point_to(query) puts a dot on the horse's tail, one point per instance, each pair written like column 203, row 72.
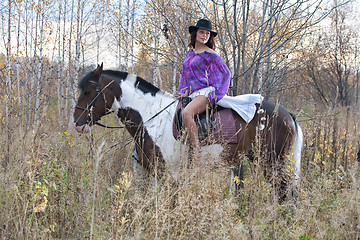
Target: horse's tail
column 297, row 148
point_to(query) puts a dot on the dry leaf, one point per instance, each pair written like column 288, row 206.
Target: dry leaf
column 42, row 206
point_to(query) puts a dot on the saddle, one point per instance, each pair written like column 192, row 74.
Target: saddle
column 216, row 125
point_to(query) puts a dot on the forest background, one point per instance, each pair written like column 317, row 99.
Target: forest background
column 59, row 184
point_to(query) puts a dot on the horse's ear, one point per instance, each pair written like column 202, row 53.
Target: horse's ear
column 98, row 72
column 100, row 66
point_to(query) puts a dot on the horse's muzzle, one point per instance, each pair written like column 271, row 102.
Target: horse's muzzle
column 83, row 128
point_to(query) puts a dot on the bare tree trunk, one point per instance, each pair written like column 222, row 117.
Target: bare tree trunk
column 174, row 81
column 127, row 35
column 8, row 121
column 79, row 22
column 132, row 36
column 245, row 15
column 19, row 109
column 28, row 73
column 156, row 60
column 62, row 71
column 70, row 62
column 357, row 87
column 259, row 77
column 26, row 29
column 99, row 23
column 60, row 74
column 119, row 27
column 32, row 77
column 268, row 48
column 235, row 53
column 39, row 68
column 241, row 57
column 98, row 38
column 258, row 70
column 8, row 65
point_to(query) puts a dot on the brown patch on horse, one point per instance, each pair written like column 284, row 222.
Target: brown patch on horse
column 149, row 154
column 278, row 136
column 271, row 144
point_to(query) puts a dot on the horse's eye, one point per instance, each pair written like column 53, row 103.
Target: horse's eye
column 87, row 93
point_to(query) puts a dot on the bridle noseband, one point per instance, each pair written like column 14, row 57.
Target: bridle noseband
column 92, row 104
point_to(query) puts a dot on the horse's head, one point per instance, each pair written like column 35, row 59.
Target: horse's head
column 92, row 103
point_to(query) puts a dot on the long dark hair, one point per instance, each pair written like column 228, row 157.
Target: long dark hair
column 210, row 43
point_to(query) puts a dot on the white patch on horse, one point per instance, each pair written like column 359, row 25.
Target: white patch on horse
column 115, row 106
column 160, row 127
column 297, row 148
column 211, row 153
column 147, row 105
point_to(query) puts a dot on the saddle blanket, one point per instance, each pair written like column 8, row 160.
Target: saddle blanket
column 225, row 129
column 244, row 105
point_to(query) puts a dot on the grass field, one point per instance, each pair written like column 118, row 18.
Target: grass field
column 63, row 185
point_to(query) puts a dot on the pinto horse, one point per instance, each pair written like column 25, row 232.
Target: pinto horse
column 147, row 113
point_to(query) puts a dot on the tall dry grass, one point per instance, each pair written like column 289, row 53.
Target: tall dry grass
column 60, row 184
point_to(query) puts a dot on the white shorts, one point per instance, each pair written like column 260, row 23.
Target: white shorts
column 202, row 92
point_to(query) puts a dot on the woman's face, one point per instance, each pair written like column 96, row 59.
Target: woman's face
column 202, row 36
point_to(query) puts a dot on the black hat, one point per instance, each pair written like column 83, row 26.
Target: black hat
column 203, row 24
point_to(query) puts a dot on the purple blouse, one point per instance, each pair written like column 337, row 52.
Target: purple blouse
column 201, row 70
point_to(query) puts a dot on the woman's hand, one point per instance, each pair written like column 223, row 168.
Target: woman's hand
column 182, row 95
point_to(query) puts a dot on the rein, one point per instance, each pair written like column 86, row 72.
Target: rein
column 90, row 107
column 158, row 113
column 100, row 91
column 104, row 126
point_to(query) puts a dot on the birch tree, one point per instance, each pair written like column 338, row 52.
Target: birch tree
column 100, row 26
column 8, row 66
column 41, row 14
column 17, row 65
column 75, row 79
column 118, row 20
column 33, row 47
column 60, row 55
column 156, row 46
column 28, row 75
column 127, row 35
column 8, row 91
column 132, row 31
column 69, row 36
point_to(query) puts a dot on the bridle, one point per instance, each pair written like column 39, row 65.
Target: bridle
column 92, row 104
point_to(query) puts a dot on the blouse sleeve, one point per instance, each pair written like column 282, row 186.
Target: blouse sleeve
column 219, row 77
column 182, row 85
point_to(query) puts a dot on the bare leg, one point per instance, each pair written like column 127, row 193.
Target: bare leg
column 196, row 106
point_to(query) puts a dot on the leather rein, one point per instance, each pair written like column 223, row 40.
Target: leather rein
column 99, row 91
column 92, row 104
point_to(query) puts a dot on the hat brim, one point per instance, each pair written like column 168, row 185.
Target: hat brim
column 195, row 28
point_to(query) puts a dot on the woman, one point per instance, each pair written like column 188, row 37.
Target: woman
column 205, row 77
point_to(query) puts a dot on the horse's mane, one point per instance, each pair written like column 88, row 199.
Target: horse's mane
column 139, row 83
column 85, row 80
